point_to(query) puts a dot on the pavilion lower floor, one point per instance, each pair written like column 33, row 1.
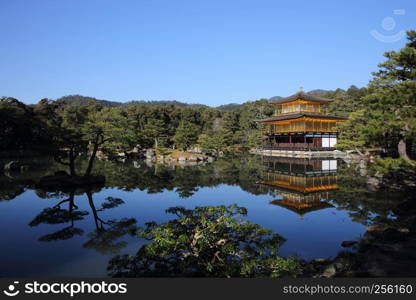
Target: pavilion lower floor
column 300, row 141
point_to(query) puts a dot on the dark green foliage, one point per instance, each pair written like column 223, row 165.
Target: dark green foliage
column 229, row 107
column 346, row 101
column 390, row 165
column 397, row 173
column 210, row 142
column 353, row 131
column 386, row 117
column 21, row 130
column 82, row 100
column 74, row 125
column 207, row 241
column 186, row 135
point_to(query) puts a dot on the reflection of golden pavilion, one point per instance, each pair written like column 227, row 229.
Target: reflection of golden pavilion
column 304, row 184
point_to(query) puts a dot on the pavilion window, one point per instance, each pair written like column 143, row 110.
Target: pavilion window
column 303, row 107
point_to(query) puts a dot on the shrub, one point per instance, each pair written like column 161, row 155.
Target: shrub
column 210, row 241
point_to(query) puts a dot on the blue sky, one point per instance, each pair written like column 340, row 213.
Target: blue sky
column 210, row 52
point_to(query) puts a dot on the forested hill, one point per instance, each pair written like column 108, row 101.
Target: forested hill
column 229, row 107
column 82, row 100
column 317, row 92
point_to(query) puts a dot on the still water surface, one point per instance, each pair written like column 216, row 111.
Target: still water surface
column 313, row 204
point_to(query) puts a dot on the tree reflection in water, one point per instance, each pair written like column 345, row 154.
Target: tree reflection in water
column 352, row 194
column 105, row 237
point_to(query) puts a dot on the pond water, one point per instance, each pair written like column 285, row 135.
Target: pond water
column 313, row 204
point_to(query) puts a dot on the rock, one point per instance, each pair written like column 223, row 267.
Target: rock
column 320, row 260
column 376, row 228
column 210, row 159
column 101, row 155
column 192, row 158
column 12, row 166
column 150, row 154
column 379, row 175
column 136, row 149
column 373, row 183
column 148, row 163
column 181, row 158
column 329, row 271
column 347, row 244
column 195, row 150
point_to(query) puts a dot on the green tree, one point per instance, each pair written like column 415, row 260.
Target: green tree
column 106, row 128
column 20, row 128
column 186, row 135
column 155, row 130
column 250, row 130
column 388, row 118
column 208, row 142
column 68, row 137
column 353, row 132
column 211, row 241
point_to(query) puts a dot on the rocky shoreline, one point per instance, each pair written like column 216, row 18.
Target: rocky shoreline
column 175, row 156
column 383, row 251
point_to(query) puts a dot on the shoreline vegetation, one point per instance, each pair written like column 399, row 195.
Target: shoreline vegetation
column 381, row 116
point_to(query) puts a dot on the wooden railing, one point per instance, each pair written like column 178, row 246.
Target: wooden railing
column 295, row 148
column 271, row 131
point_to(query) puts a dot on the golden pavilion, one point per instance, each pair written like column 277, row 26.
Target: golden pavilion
column 300, row 123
